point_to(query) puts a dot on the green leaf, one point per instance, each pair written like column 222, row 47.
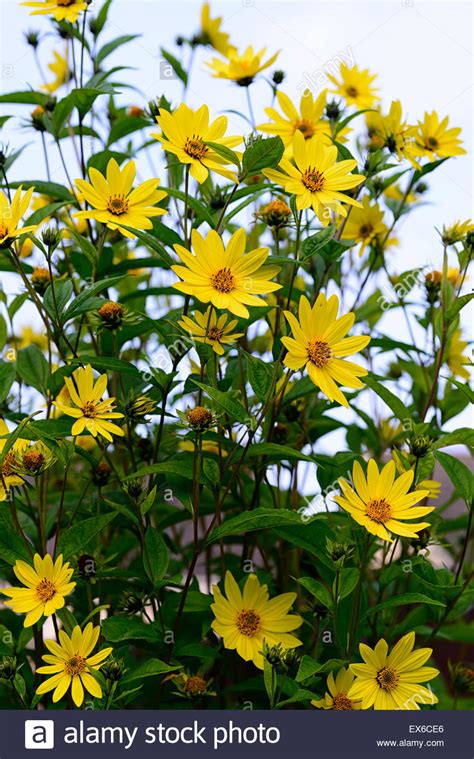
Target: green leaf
column 85, row 245
column 393, row 402
column 155, row 556
column 259, row 519
column 317, row 590
column 226, row 402
column 309, row 667
column 81, row 303
column 225, row 152
column 58, row 299
column 7, row 378
column 456, row 307
column 427, row 169
column 459, row 474
column 42, row 213
column 33, row 367
column 279, row 452
column 117, row 629
column 404, row 599
column 51, row 189
column 148, row 668
column 311, row 245
column 126, row 126
column 260, row 375
column 77, row 537
column 175, row 65
column 347, row 582
column 263, row 153
column 152, row 243
column 104, row 363
column 12, row 546
column 29, row 97
column 181, row 467
column 109, row 48
column 462, row 436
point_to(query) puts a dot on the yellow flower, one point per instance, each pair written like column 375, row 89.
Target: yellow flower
column 394, row 192
column 113, row 201
column 46, row 583
column 70, row 664
column 402, row 464
column 392, row 681
column 394, row 133
column 317, row 178
column 59, row 67
column 319, row 344
column 308, row 120
column 245, row 620
column 10, row 216
column 456, row 231
column 91, row 413
column 9, row 477
column 355, row 86
column 186, row 134
column 62, row 10
column 432, row 486
column 364, row 224
column 210, row 329
column 337, row 697
column 30, row 337
column 207, row 446
column 241, row 68
column 434, row 140
column 25, row 247
column 225, row 276
column 455, row 358
column 381, row 502
column 211, row 33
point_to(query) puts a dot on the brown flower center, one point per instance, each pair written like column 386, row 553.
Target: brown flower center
column 215, row 334
column 387, row 678
column 65, row 2
column 195, row 147
column 378, row 510
column 306, row 127
column 352, row 91
column 248, row 622
column 45, row 590
column 319, row 352
column 312, row 179
column 195, row 685
column 342, row 703
column 8, row 466
column 199, row 416
column 432, row 143
column 223, row 280
column 366, row 230
column 89, row 409
column 75, row 665
column 33, row 461
column 117, row 205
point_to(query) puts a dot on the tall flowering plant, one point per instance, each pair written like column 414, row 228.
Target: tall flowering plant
column 195, row 501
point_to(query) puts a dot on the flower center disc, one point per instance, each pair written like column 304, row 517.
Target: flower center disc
column 306, row 127
column 387, row 678
column 378, row 510
column 313, row 180
column 432, row 143
column 223, row 280
column 341, row 702
column 214, row 333
column 366, row 230
column 89, row 409
column 319, row 352
column 45, row 590
column 64, row 2
column 8, row 466
column 352, row 92
column 75, row 665
column 248, row 622
column 117, row 205
column 195, row 147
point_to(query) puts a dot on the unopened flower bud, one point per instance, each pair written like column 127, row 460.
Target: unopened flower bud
column 199, row 418
column 101, row 474
column 40, row 279
column 111, row 314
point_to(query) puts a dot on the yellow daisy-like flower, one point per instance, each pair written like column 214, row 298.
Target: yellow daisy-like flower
column 355, row 86
column 319, row 345
column 10, row 216
column 381, row 502
column 113, row 201
column 456, row 359
column 308, row 120
column 457, row 231
column 211, row 329
column 317, row 178
column 392, row 680
column 46, row 583
column 62, row 10
column 227, row 277
column 211, row 33
column 241, row 68
column 60, row 68
column 364, row 224
column 186, row 134
column 394, row 133
column 336, row 695
column 434, row 140
column 29, row 336
column 91, row 413
column 70, row 664
column 395, row 192
column 244, row 620
column 9, row 477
